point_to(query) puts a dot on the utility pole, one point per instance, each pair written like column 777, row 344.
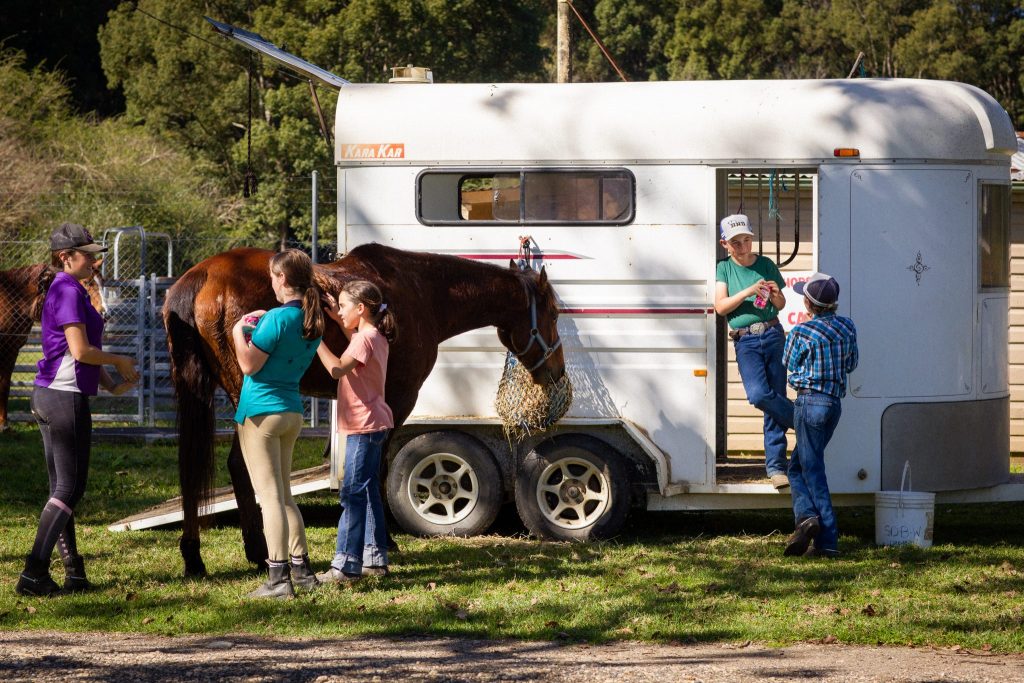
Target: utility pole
column 564, row 64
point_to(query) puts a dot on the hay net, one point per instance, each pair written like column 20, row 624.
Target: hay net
column 525, row 407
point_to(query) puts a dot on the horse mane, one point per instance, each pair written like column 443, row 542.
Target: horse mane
column 375, row 254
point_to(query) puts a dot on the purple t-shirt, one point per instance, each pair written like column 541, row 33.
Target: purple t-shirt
column 68, row 303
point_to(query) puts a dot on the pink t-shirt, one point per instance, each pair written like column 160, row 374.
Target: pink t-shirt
column 361, row 406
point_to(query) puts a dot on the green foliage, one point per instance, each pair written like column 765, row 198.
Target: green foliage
column 58, row 166
column 981, row 43
column 195, row 89
column 635, row 34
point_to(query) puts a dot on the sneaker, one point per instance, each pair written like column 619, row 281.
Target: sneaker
column 806, row 530
column 780, row 482
column 820, row 552
column 336, row 576
column 375, row 571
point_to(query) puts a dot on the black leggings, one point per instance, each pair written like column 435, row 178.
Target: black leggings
column 66, row 426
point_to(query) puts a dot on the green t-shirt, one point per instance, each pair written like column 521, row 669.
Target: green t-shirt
column 275, row 388
column 738, row 278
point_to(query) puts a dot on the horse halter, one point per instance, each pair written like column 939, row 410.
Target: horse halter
column 535, row 336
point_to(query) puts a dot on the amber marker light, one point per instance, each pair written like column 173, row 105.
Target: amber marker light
column 845, row 152
column 700, row 373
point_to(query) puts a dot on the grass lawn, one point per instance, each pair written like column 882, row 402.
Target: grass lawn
column 685, row 577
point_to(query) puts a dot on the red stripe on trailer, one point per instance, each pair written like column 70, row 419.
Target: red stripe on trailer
column 638, row 311
column 503, row 257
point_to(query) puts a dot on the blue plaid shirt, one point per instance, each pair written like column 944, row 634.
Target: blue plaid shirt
column 820, row 353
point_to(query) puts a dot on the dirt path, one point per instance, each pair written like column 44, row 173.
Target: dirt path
column 47, row 656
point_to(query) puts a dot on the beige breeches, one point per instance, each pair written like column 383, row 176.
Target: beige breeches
column 267, row 443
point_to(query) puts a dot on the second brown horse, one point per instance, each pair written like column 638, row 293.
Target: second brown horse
column 434, row 297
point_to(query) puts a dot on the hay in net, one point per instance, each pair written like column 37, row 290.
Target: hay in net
column 525, row 407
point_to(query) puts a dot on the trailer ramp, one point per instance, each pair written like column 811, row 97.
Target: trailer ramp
column 302, row 481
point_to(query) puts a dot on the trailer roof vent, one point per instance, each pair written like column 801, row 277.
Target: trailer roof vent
column 411, row 74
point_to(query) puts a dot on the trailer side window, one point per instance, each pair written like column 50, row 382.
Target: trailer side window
column 526, row 197
column 994, row 236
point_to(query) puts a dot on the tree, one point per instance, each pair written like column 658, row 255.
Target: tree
column 57, row 166
column 723, row 39
column 635, row 33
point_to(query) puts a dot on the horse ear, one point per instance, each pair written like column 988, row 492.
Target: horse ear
column 543, row 279
column 512, row 264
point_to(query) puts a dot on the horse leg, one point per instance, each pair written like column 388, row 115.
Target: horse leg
column 189, row 542
column 249, row 516
column 9, row 347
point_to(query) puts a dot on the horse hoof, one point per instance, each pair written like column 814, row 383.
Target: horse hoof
column 194, row 567
column 196, row 572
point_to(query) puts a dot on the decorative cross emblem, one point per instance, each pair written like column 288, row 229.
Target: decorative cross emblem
column 918, row 267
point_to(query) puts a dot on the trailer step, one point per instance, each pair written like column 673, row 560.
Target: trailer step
column 169, row 512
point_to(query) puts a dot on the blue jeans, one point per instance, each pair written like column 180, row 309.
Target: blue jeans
column 759, row 357
column 816, row 418
column 362, row 537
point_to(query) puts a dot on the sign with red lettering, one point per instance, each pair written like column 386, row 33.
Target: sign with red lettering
column 794, row 313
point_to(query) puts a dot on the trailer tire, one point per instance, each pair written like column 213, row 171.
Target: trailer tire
column 573, row 488
column 444, row 484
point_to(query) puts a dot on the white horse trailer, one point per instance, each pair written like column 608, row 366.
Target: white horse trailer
column 620, row 187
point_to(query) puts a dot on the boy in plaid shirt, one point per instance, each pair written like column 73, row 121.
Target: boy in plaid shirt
column 819, row 355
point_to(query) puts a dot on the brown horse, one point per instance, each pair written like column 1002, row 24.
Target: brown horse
column 19, row 289
column 434, row 297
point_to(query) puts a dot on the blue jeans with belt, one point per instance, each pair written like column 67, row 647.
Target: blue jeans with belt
column 759, row 357
column 816, row 417
column 362, row 537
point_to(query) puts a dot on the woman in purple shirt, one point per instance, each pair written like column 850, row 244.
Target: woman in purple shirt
column 70, row 371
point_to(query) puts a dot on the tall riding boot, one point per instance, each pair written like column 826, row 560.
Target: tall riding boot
column 35, row 579
column 74, row 575
column 278, row 585
column 303, row 576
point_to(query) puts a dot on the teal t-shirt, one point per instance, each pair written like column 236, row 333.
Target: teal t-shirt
column 275, row 388
column 738, row 278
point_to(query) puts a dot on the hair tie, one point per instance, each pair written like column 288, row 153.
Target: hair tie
column 383, row 307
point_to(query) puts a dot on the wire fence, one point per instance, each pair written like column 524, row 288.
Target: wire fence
column 129, row 290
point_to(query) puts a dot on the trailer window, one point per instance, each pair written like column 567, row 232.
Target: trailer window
column 526, row 197
column 994, row 236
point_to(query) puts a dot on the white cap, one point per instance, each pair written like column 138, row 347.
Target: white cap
column 736, row 224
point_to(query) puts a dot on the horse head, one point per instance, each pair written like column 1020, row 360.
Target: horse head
column 533, row 336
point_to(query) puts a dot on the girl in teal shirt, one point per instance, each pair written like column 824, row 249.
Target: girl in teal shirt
column 269, row 416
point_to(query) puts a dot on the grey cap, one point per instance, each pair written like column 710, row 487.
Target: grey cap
column 73, row 236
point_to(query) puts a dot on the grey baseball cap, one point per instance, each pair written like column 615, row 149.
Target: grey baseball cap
column 73, row 236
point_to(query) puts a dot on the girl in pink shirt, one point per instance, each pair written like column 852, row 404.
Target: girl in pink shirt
column 364, row 419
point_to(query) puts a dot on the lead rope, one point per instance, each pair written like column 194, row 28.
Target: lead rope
column 524, row 257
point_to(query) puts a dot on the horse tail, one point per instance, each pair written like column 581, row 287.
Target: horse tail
column 194, row 388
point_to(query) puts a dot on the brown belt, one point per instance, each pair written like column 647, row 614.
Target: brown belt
column 756, row 328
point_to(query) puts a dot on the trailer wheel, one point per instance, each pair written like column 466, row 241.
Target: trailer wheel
column 444, row 484
column 573, row 488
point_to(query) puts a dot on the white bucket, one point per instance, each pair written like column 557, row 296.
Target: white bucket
column 904, row 516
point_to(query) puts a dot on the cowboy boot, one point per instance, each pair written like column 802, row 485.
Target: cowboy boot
column 278, row 584
column 303, row 576
column 75, row 580
column 35, row 579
